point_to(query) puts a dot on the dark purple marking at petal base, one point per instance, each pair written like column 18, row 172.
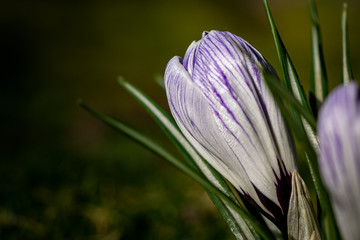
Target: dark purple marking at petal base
column 283, row 190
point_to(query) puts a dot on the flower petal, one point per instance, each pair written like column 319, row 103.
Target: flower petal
column 339, row 158
column 196, row 120
column 228, row 72
column 189, row 57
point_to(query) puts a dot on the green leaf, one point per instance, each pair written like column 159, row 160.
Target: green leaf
column 290, row 75
column 302, row 129
column 318, row 78
column 240, row 228
column 292, row 83
column 194, row 159
column 347, row 75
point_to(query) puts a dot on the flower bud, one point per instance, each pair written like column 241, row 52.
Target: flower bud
column 339, row 157
column 219, row 99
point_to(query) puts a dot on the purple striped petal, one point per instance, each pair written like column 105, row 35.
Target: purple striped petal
column 219, row 99
column 339, row 158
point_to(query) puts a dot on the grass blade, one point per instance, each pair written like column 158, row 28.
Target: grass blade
column 318, row 77
column 303, row 130
column 347, row 75
column 291, row 78
column 234, row 220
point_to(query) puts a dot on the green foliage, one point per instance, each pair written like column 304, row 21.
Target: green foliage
column 318, row 78
column 347, row 74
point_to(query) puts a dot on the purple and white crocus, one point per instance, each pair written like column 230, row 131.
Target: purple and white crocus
column 339, row 157
column 219, row 99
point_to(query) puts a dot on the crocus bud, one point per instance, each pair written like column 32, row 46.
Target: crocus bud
column 339, row 157
column 302, row 223
column 218, row 97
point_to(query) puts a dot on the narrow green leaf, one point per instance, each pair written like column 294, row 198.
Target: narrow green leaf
column 157, row 149
column 304, row 133
column 194, row 159
column 347, row 75
column 318, row 77
column 291, row 80
column 290, row 75
column 235, row 221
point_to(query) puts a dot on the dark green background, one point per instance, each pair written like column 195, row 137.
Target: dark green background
column 64, row 174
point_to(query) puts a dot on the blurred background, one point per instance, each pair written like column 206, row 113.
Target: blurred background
column 66, row 175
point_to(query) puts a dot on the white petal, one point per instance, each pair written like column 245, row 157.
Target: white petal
column 227, row 73
column 197, row 121
column 339, row 159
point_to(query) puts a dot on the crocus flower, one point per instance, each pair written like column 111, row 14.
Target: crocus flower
column 339, row 157
column 218, row 97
